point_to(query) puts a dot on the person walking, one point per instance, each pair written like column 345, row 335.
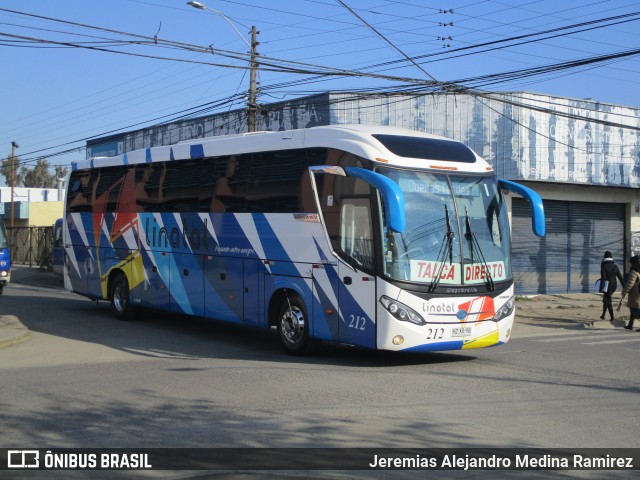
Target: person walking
column 631, row 288
column 609, row 273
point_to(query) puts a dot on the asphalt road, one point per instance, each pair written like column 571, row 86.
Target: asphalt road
column 86, row 379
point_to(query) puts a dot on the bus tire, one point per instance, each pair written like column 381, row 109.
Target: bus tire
column 120, row 300
column 293, row 326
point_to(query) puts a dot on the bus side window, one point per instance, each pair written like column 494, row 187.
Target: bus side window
column 224, row 196
column 79, row 192
column 346, row 209
column 355, row 232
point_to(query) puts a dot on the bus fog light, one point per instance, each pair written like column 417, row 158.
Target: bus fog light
column 3, row 273
column 401, row 311
column 398, row 340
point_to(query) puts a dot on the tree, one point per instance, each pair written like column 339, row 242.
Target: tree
column 61, row 172
column 39, row 176
column 5, row 170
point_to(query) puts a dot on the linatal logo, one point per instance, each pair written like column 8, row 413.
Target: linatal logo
column 478, row 309
column 23, row 459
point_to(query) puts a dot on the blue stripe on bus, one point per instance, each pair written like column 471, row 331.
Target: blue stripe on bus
column 323, row 257
column 273, row 248
column 432, row 347
column 148, row 155
column 196, row 151
column 324, row 328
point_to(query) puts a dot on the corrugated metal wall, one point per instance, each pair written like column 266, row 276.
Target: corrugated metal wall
column 524, row 136
column 567, row 259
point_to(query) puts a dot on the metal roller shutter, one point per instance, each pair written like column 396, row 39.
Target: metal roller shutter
column 567, row 259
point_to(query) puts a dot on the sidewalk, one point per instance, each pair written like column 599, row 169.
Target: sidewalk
column 580, row 310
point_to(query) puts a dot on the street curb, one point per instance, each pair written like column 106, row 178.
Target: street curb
column 12, row 331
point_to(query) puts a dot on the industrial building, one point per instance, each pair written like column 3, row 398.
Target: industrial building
column 580, row 155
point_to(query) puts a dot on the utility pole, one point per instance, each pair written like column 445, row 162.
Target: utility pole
column 14, row 145
column 252, row 105
column 252, row 101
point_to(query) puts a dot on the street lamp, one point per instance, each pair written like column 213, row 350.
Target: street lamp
column 202, row 6
column 252, row 105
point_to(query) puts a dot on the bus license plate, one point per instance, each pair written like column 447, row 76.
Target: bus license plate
column 461, row 331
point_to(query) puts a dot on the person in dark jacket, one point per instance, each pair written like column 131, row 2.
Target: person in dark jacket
column 631, row 287
column 609, row 272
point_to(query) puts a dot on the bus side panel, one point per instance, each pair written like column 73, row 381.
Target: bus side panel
column 187, row 284
column 77, row 253
column 223, row 288
column 253, row 294
column 325, row 307
column 153, row 290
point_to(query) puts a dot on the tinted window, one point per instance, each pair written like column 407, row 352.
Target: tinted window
column 79, row 191
column 265, row 182
column 427, row 148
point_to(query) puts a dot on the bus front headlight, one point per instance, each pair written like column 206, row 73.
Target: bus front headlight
column 505, row 310
column 401, row 311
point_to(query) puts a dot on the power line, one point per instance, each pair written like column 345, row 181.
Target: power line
column 372, row 28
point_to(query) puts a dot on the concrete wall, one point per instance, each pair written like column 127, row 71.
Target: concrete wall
column 22, row 194
column 45, row 214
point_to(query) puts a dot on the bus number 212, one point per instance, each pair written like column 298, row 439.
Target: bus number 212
column 357, row 322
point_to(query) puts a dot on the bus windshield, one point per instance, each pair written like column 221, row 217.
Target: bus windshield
column 457, row 230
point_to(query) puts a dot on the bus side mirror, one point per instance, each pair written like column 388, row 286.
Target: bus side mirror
column 537, row 208
column 393, row 197
column 394, row 210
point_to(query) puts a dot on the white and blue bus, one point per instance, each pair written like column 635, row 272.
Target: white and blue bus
column 377, row 237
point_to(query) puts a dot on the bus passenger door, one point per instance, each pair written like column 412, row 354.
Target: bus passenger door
column 357, row 284
column 345, row 204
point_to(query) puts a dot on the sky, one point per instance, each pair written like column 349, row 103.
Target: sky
column 79, row 69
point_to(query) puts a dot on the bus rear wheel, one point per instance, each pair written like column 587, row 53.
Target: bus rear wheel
column 293, row 326
column 120, row 301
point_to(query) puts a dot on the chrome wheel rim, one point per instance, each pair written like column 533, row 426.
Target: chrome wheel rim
column 292, row 325
column 119, row 302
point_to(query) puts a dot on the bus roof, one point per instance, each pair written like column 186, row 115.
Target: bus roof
column 378, row 143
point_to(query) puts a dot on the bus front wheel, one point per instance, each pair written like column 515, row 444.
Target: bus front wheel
column 293, row 326
column 120, row 301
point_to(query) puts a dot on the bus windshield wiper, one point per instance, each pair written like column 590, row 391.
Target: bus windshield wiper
column 447, row 247
column 470, row 236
